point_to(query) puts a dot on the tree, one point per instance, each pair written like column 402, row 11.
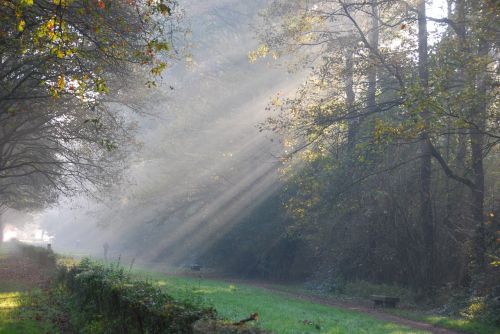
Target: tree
column 426, row 162
column 409, row 101
column 64, row 68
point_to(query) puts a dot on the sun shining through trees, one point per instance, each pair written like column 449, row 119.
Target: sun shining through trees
column 249, row 166
column 204, row 166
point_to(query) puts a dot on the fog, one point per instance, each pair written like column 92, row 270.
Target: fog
column 202, row 163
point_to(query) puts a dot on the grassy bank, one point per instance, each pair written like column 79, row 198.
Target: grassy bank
column 90, row 297
column 277, row 313
column 26, row 309
column 285, row 315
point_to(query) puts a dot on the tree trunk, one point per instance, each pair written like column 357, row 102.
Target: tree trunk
column 350, row 98
column 459, row 198
column 426, row 213
column 372, row 71
column 477, row 144
column 372, row 106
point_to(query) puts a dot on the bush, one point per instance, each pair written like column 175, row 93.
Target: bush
column 42, row 256
column 106, row 300
column 485, row 309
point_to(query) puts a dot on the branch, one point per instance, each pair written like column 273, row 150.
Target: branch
column 446, row 168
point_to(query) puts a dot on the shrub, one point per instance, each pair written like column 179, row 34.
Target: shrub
column 107, row 300
column 42, row 256
column 485, row 309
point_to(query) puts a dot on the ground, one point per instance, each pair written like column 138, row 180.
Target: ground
column 21, row 279
column 283, row 310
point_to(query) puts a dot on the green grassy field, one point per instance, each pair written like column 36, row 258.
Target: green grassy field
column 18, row 318
column 277, row 313
column 361, row 291
column 285, row 315
column 23, row 310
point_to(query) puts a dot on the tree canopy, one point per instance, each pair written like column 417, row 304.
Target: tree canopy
column 64, row 68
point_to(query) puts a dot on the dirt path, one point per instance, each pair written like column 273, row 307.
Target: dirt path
column 22, row 272
column 356, row 307
column 376, row 313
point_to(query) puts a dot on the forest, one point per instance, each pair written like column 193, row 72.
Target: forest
column 267, row 166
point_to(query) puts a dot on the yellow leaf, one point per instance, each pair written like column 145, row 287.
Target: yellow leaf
column 62, row 3
column 21, row 25
column 61, row 81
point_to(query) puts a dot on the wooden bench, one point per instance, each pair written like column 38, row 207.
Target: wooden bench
column 384, row 301
column 196, row 267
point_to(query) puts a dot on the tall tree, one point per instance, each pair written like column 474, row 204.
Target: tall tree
column 426, row 162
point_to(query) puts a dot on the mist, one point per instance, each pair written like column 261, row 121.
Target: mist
column 202, row 163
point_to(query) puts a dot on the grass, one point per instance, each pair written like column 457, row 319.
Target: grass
column 361, row 291
column 277, row 313
column 464, row 325
column 16, row 317
column 20, row 311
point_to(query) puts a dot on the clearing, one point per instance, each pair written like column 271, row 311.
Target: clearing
column 289, row 312
column 281, row 309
